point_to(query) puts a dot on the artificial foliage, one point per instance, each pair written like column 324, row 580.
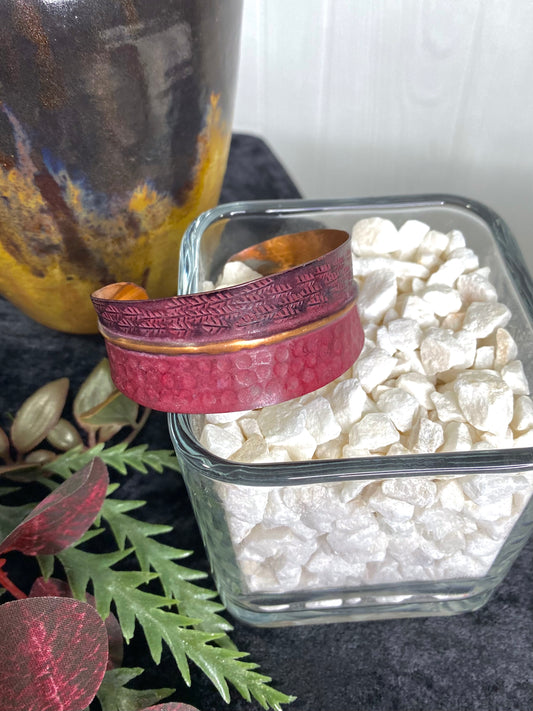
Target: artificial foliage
column 138, row 585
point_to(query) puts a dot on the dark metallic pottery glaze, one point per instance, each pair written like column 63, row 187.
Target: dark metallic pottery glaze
column 115, row 120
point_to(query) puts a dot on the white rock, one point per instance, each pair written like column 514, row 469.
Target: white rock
column 377, row 295
column 415, row 308
column 374, row 236
column 246, row 503
column 410, row 237
column 419, row 491
column 285, row 425
column 249, row 426
column 483, row 318
column 331, row 449
column 263, row 580
column 263, row 543
column 397, row 449
column 350, row 490
column 221, row 442
column 287, row 573
column 221, row 418
column 404, row 334
column 438, row 523
column 524, row 440
column 362, row 266
column 281, row 422
column 460, row 566
column 452, row 542
column 238, row 528
column 383, row 340
column 407, row 363
column 485, row 400
column 236, row 273
column 479, row 544
column 523, row 414
column 491, row 512
column 277, row 513
column 303, row 499
column 360, row 546
column 457, row 437
column 475, row 287
column 254, row 450
column 497, row 529
column 392, row 509
column 450, row 495
column 448, row 272
column 387, row 571
column 505, row 348
column 513, row 374
column 426, row 436
column 374, row 431
column 443, row 299
column 279, row 454
column 419, row 386
column 453, row 321
column 373, row 368
column 442, row 349
column 333, row 569
column 400, row 406
column 350, row 451
column 434, row 242
column 347, row 401
column 488, row 488
column 320, row 420
column 456, row 240
column 503, row 440
column 447, row 406
column 484, row 358
column 427, row 259
column 390, row 315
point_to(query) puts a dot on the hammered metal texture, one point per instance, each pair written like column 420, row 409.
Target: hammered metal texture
column 240, row 380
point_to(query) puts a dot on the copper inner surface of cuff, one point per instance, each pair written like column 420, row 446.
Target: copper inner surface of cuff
column 286, row 251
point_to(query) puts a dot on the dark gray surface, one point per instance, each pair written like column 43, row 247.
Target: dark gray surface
column 480, row 661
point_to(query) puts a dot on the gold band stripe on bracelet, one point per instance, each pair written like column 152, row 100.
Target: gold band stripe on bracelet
column 222, row 346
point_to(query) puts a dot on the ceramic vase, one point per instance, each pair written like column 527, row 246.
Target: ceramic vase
column 115, row 123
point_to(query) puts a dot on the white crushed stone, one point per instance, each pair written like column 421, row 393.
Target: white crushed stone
column 439, row 372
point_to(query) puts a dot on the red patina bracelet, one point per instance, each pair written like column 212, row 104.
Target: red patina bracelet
column 272, row 339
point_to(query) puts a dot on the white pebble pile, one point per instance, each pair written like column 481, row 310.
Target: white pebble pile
column 438, row 373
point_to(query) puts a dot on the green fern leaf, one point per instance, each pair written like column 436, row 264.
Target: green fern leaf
column 73, row 460
column 122, row 588
column 121, row 457
column 193, row 600
column 114, row 696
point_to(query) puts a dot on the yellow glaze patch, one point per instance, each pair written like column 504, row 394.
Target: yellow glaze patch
column 139, row 242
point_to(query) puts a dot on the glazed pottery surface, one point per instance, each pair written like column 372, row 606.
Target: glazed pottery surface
column 115, row 122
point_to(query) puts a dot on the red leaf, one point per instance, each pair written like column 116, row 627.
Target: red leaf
column 171, row 707
column 53, row 654
column 59, row 588
column 63, row 516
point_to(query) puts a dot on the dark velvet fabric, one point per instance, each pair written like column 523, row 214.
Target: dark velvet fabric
column 480, row 661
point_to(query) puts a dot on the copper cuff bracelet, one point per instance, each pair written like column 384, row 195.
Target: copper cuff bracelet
column 238, row 348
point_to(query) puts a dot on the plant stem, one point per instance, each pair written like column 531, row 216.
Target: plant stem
column 8, row 585
column 138, row 426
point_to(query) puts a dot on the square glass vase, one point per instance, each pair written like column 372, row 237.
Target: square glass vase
column 259, row 570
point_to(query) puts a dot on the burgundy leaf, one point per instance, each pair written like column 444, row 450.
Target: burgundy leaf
column 171, row 707
column 59, row 588
column 63, row 516
column 53, row 654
